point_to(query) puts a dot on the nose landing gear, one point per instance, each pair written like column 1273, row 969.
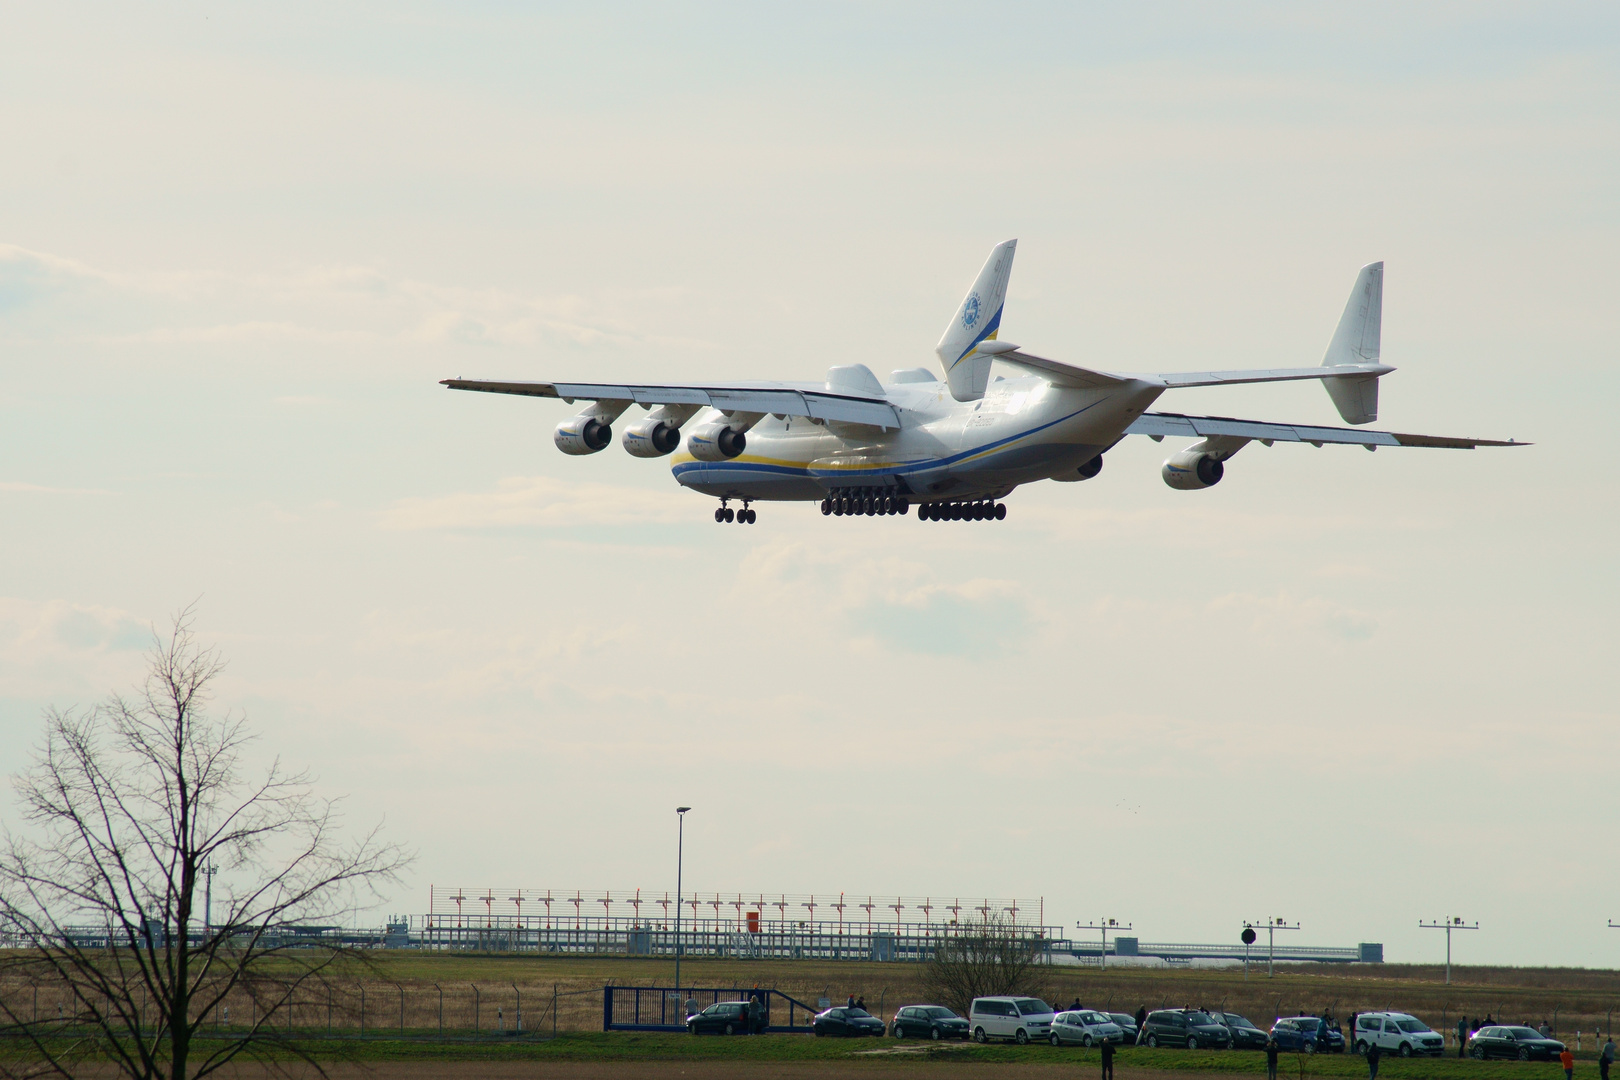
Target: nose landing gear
column 745, row 516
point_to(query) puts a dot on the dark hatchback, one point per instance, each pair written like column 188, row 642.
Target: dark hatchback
column 928, row 1022
column 1185, row 1027
column 1245, row 1036
column 1308, row 1034
column 1525, row 1044
column 721, row 1018
column 846, row 1021
column 1127, row 1024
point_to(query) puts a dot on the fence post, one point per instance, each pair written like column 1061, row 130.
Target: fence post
column 553, row 1010
column 401, row 1007
column 519, row 994
column 362, row 1008
column 607, row 1007
column 329, row 1008
column 478, row 1001
column 440, row 989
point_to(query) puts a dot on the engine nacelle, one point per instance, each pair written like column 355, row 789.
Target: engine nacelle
column 651, row 438
column 1192, row 470
column 582, row 435
column 716, row 442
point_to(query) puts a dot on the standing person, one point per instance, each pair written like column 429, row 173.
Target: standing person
column 692, row 1006
column 1107, row 1060
column 1462, row 1035
column 1373, row 1053
column 1350, row 1034
column 1567, row 1060
column 1545, row 1029
column 756, row 1015
column 1141, row 1022
column 1606, row 1058
column 851, row 1001
column 1271, row 1058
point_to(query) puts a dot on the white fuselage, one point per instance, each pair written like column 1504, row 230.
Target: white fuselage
column 1022, row 430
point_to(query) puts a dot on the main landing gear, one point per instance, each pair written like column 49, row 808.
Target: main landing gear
column 871, row 502
column 744, row 516
column 982, row 510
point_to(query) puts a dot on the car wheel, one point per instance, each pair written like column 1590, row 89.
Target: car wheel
column 691, row 1029
column 1056, row 1041
column 1192, row 1042
column 897, row 1031
column 1153, row 1041
column 1406, row 1049
column 1086, row 1042
column 934, row 1034
column 1310, row 1048
column 729, row 1029
column 1021, row 1037
column 979, row 1036
column 1361, row 1048
column 1477, row 1053
column 1524, row 1054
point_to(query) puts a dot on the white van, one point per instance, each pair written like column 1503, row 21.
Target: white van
column 1399, row 1033
column 1017, row 1018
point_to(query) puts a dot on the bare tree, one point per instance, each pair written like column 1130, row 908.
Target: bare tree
column 984, row 959
column 128, row 804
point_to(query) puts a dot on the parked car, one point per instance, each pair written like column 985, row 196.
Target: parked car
column 1310, row 1034
column 1400, row 1033
column 846, row 1021
column 928, row 1022
column 1245, row 1036
column 721, row 1018
column 1087, row 1027
column 1523, row 1043
column 1017, row 1018
column 1185, row 1027
column 1127, row 1026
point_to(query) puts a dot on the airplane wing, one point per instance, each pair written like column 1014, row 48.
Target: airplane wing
column 782, row 401
column 1158, row 425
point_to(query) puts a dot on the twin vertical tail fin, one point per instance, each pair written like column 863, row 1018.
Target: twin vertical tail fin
column 967, row 371
column 1356, row 341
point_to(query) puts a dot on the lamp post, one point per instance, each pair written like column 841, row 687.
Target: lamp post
column 1104, row 925
column 208, row 897
column 1448, row 925
column 680, row 855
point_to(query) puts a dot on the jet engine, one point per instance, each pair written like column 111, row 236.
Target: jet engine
column 651, row 438
column 716, row 442
column 1192, row 470
column 583, row 434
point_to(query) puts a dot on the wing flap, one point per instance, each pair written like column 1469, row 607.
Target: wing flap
column 1176, row 424
column 783, row 401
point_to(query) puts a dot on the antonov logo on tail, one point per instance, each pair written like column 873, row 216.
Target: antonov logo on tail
column 954, row 449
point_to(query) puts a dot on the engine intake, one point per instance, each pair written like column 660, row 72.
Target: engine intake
column 1193, row 470
column 582, row 435
column 651, row 438
column 716, row 442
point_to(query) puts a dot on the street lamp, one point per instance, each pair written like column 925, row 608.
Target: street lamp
column 1104, row 925
column 680, row 842
column 1448, row 925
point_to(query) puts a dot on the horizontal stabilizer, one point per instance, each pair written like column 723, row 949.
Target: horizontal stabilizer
column 1159, row 425
column 781, row 400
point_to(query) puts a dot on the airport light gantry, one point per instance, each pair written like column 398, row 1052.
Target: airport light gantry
column 1103, row 925
column 1272, row 925
column 1448, row 925
column 680, row 858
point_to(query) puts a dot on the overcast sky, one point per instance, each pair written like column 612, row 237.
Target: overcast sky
column 239, row 245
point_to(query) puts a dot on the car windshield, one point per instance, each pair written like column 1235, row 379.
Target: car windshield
column 1031, row 1006
column 1238, row 1021
column 1307, row 1025
column 856, row 1012
column 1411, row 1025
column 1201, row 1019
column 1093, row 1018
column 938, row 1012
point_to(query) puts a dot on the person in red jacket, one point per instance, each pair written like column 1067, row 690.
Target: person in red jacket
column 1567, row 1059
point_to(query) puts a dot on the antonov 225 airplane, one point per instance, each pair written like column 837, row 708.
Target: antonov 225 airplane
column 954, row 448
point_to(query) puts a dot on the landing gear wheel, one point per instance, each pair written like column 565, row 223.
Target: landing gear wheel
column 719, row 515
column 730, row 515
column 1001, row 511
column 749, row 516
column 826, row 507
column 1022, row 1038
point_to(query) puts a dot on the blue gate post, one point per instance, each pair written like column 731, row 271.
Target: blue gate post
column 607, row 1008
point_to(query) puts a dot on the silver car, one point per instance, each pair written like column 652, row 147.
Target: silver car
column 1087, row 1027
